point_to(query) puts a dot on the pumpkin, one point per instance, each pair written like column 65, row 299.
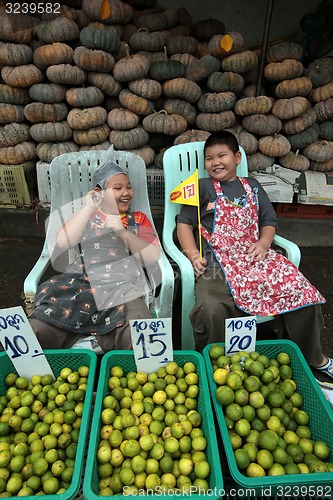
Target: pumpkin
column 251, row 91
column 324, row 110
column 16, row 28
column 262, row 124
column 202, row 68
column 66, row 73
column 225, row 82
column 159, row 21
column 222, row 45
column 93, row 60
column 184, row 59
column 296, row 87
column 304, row 138
column 129, row 139
column 285, row 109
column 240, row 62
column 131, row 67
column 119, row 12
column 152, row 56
column 62, row 11
column 94, row 135
column 259, row 161
column 323, row 166
column 253, row 105
column 60, row 29
column 274, row 145
column 192, row 136
column 54, row 53
column 51, row 132
column 20, row 153
column 21, row 76
column 37, row 112
column 13, row 95
column 182, row 88
column 278, row 52
column 182, row 108
column 146, row 153
column 122, row 119
column 166, row 69
column 319, row 151
column 322, row 93
column 15, row 54
column 135, row 103
column 145, row 87
column 295, row 161
column 215, row 102
column 149, row 41
column 83, row 119
column 248, row 141
column 47, row 92
column 99, row 39
column 326, row 130
column 300, row 123
column 102, row 146
column 13, row 134
column 105, row 82
column 10, row 113
column 205, row 29
column 84, row 97
column 212, row 122
column 182, row 45
column 47, row 151
column 285, row 70
column 320, row 71
column 163, row 123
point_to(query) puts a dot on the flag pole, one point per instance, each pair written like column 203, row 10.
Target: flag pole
column 199, row 219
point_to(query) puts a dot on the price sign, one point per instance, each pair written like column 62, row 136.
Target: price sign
column 152, row 343
column 21, row 344
column 240, row 334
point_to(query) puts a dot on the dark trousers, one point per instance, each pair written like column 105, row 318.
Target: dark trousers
column 214, row 304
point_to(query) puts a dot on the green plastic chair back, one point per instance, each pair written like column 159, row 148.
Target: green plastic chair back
column 179, row 162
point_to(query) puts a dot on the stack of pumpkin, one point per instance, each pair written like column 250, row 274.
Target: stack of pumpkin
column 144, row 78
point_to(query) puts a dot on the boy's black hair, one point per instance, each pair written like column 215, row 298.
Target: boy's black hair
column 222, row 137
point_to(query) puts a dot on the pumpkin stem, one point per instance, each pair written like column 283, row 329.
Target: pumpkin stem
column 127, row 49
column 165, row 53
column 297, row 153
column 163, row 112
column 145, row 30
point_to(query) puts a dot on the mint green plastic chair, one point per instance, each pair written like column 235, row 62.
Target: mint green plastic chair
column 178, row 163
column 70, row 180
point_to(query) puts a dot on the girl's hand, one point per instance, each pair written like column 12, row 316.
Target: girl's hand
column 257, row 251
column 114, row 222
column 94, row 199
column 199, row 266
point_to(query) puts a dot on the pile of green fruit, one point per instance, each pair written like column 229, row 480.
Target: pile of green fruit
column 268, row 429
column 151, row 438
column 40, row 423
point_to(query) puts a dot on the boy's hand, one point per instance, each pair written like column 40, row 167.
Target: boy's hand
column 199, row 266
column 257, row 250
column 114, row 222
column 94, row 199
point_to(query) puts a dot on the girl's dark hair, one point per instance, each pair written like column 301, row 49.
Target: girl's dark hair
column 222, row 137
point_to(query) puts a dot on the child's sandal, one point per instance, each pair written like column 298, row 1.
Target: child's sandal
column 327, row 368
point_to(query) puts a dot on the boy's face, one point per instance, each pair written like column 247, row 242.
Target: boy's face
column 221, row 162
column 118, row 194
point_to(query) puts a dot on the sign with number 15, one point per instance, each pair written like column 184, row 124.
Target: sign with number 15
column 152, row 343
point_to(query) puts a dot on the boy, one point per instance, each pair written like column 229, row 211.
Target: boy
column 239, row 273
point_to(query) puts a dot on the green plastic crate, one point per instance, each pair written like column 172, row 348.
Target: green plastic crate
column 321, row 424
column 59, row 359
column 125, row 359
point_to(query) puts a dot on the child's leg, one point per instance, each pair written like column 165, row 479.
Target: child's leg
column 213, row 305
column 51, row 337
column 120, row 338
column 304, row 327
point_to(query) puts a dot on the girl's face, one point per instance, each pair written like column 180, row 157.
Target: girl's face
column 221, row 162
column 118, row 194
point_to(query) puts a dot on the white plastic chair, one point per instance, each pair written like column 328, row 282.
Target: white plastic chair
column 70, row 180
column 179, row 162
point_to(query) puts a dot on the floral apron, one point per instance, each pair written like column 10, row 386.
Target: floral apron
column 266, row 287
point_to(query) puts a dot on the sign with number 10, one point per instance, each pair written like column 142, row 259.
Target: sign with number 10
column 21, row 344
column 240, row 334
column 152, row 343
